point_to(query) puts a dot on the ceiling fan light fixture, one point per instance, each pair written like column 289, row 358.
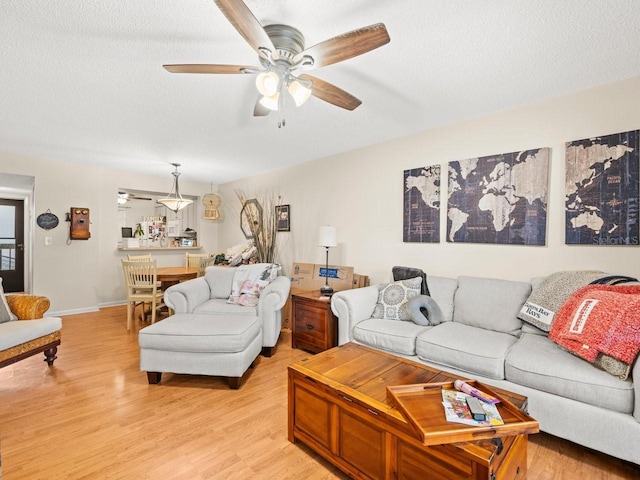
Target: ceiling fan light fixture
column 175, row 201
column 270, row 102
column 268, row 83
column 299, row 92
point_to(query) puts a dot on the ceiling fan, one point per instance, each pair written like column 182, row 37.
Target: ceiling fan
column 281, row 52
column 124, row 197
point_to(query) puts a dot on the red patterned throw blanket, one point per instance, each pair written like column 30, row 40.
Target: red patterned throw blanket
column 601, row 323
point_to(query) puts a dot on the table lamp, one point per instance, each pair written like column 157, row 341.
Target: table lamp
column 327, row 239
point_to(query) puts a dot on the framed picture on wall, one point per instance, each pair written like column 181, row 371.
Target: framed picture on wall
column 283, row 214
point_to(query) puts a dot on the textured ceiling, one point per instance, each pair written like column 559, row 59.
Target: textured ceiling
column 83, row 81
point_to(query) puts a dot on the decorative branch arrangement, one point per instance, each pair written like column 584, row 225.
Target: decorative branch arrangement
column 259, row 222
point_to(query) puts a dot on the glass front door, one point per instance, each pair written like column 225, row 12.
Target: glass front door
column 12, row 245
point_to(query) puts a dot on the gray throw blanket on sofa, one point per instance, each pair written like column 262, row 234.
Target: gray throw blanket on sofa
column 546, row 299
column 551, row 293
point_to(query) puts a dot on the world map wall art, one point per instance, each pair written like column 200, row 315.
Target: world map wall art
column 601, row 190
column 421, row 221
column 499, row 199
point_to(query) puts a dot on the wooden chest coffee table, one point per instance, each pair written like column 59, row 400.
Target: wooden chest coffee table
column 338, row 406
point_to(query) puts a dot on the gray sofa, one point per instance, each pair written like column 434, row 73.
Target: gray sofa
column 482, row 338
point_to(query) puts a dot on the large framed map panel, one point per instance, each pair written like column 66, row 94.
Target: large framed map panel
column 499, row 198
column 601, row 190
column 421, row 219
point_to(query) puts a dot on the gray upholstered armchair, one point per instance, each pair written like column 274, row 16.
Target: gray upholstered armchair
column 209, row 295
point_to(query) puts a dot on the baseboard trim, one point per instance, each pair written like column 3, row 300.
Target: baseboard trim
column 112, row 304
column 74, row 311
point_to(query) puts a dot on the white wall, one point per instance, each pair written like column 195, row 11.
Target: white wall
column 83, row 275
column 361, row 193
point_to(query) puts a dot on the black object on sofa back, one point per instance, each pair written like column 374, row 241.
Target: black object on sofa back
column 403, row 273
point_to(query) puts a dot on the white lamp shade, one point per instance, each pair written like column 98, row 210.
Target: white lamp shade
column 270, row 102
column 175, row 204
column 299, row 92
column 327, row 236
column 267, row 83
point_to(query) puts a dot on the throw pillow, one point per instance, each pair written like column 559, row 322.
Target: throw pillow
column 250, row 280
column 423, row 310
column 5, row 312
column 393, row 299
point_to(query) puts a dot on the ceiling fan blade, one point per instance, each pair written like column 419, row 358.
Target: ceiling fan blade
column 331, row 94
column 210, row 68
column 247, row 25
column 347, row 45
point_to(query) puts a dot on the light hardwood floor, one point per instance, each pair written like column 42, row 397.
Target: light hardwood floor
column 93, row 416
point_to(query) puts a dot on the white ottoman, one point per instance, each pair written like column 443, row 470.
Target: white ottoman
column 201, row 344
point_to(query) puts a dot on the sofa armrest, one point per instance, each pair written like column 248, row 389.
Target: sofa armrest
column 351, row 307
column 184, row 297
column 275, row 295
column 28, row 307
column 635, row 375
column 270, row 304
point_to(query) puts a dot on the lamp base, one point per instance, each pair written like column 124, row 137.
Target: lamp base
column 326, row 291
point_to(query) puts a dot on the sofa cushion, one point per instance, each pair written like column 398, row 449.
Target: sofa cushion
column 397, row 337
column 21, row 331
column 490, row 304
column 220, row 280
column 443, row 291
column 393, row 298
column 528, row 328
column 219, row 306
column 186, row 332
column 466, row 348
column 537, row 362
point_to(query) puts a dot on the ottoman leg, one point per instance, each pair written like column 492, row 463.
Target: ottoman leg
column 154, row 377
column 234, row 382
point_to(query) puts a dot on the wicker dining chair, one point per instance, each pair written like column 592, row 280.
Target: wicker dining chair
column 199, row 261
column 145, row 257
column 142, row 286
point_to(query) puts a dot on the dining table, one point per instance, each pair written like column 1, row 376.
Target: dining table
column 168, row 276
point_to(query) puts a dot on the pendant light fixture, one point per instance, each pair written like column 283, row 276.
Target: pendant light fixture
column 174, row 201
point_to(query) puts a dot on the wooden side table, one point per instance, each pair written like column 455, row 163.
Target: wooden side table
column 315, row 327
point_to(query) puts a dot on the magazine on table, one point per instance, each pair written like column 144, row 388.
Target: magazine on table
column 456, row 410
